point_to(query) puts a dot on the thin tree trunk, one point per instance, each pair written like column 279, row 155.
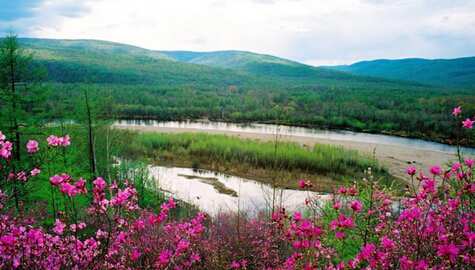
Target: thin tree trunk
column 92, row 157
column 16, row 132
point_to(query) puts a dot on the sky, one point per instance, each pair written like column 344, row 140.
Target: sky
column 313, row 32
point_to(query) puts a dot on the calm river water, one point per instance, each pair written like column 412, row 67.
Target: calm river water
column 300, row 132
column 215, row 192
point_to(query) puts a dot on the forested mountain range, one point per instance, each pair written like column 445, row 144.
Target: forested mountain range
column 105, row 60
column 458, row 72
column 240, row 86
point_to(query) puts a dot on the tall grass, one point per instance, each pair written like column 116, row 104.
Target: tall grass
column 322, row 159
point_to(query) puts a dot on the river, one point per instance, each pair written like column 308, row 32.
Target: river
column 339, row 135
column 214, row 192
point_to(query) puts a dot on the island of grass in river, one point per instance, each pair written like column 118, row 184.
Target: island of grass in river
column 276, row 162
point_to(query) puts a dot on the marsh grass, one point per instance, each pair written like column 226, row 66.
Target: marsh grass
column 221, row 152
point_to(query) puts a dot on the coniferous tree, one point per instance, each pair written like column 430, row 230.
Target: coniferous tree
column 21, row 91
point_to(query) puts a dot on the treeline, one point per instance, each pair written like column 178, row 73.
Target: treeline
column 405, row 112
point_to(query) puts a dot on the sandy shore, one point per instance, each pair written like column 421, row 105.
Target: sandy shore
column 396, row 158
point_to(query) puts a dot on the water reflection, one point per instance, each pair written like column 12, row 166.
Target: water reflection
column 215, row 192
column 301, row 132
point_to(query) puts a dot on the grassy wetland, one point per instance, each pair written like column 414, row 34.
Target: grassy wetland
column 276, row 162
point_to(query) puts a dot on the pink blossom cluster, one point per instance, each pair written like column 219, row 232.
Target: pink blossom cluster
column 362, row 226
column 467, row 123
column 32, row 146
column 5, row 147
column 58, row 141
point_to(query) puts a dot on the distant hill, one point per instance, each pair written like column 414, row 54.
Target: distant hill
column 83, row 45
column 260, row 64
column 448, row 72
column 93, row 61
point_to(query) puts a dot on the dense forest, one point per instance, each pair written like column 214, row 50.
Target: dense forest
column 459, row 72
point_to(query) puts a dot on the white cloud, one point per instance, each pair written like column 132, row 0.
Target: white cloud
column 311, row 31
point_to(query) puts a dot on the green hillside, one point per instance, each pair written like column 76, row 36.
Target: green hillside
column 449, row 72
column 74, row 61
column 260, row 64
column 87, row 46
column 229, row 59
column 238, row 86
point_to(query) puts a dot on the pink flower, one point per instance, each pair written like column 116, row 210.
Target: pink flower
column 422, row 265
column 58, row 229
column 5, row 153
column 303, row 184
column 21, row 176
column 135, row 255
column 234, row 264
column 450, row 251
column 6, row 149
column 32, row 146
column 456, row 166
column 121, row 197
column 56, row 180
column 2, row 136
column 436, row 170
column 387, row 202
column 195, row 257
column 81, row 186
column 68, row 189
column 35, row 171
column 356, row 206
column 100, row 183
column 65, row 141
column 171, row 203
column 297, row 216
column 457, row 110
column 114, row 186
column 386, row 242
column 367, row 252
column 8, row 240
column 61, row 141
column 469, row 162
column 411, row 171
column 467, row 123
column 337, row 206
column 429, row 185
column 35, row 237
column 53, row 140
column 339, row 235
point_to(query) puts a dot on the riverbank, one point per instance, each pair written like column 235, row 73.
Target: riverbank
column 396, row 158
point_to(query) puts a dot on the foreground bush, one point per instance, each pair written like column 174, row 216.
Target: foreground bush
column 363, row 226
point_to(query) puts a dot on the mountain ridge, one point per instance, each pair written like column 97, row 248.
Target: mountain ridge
column 107, row 56
column 447, row 72
column 459, row 72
